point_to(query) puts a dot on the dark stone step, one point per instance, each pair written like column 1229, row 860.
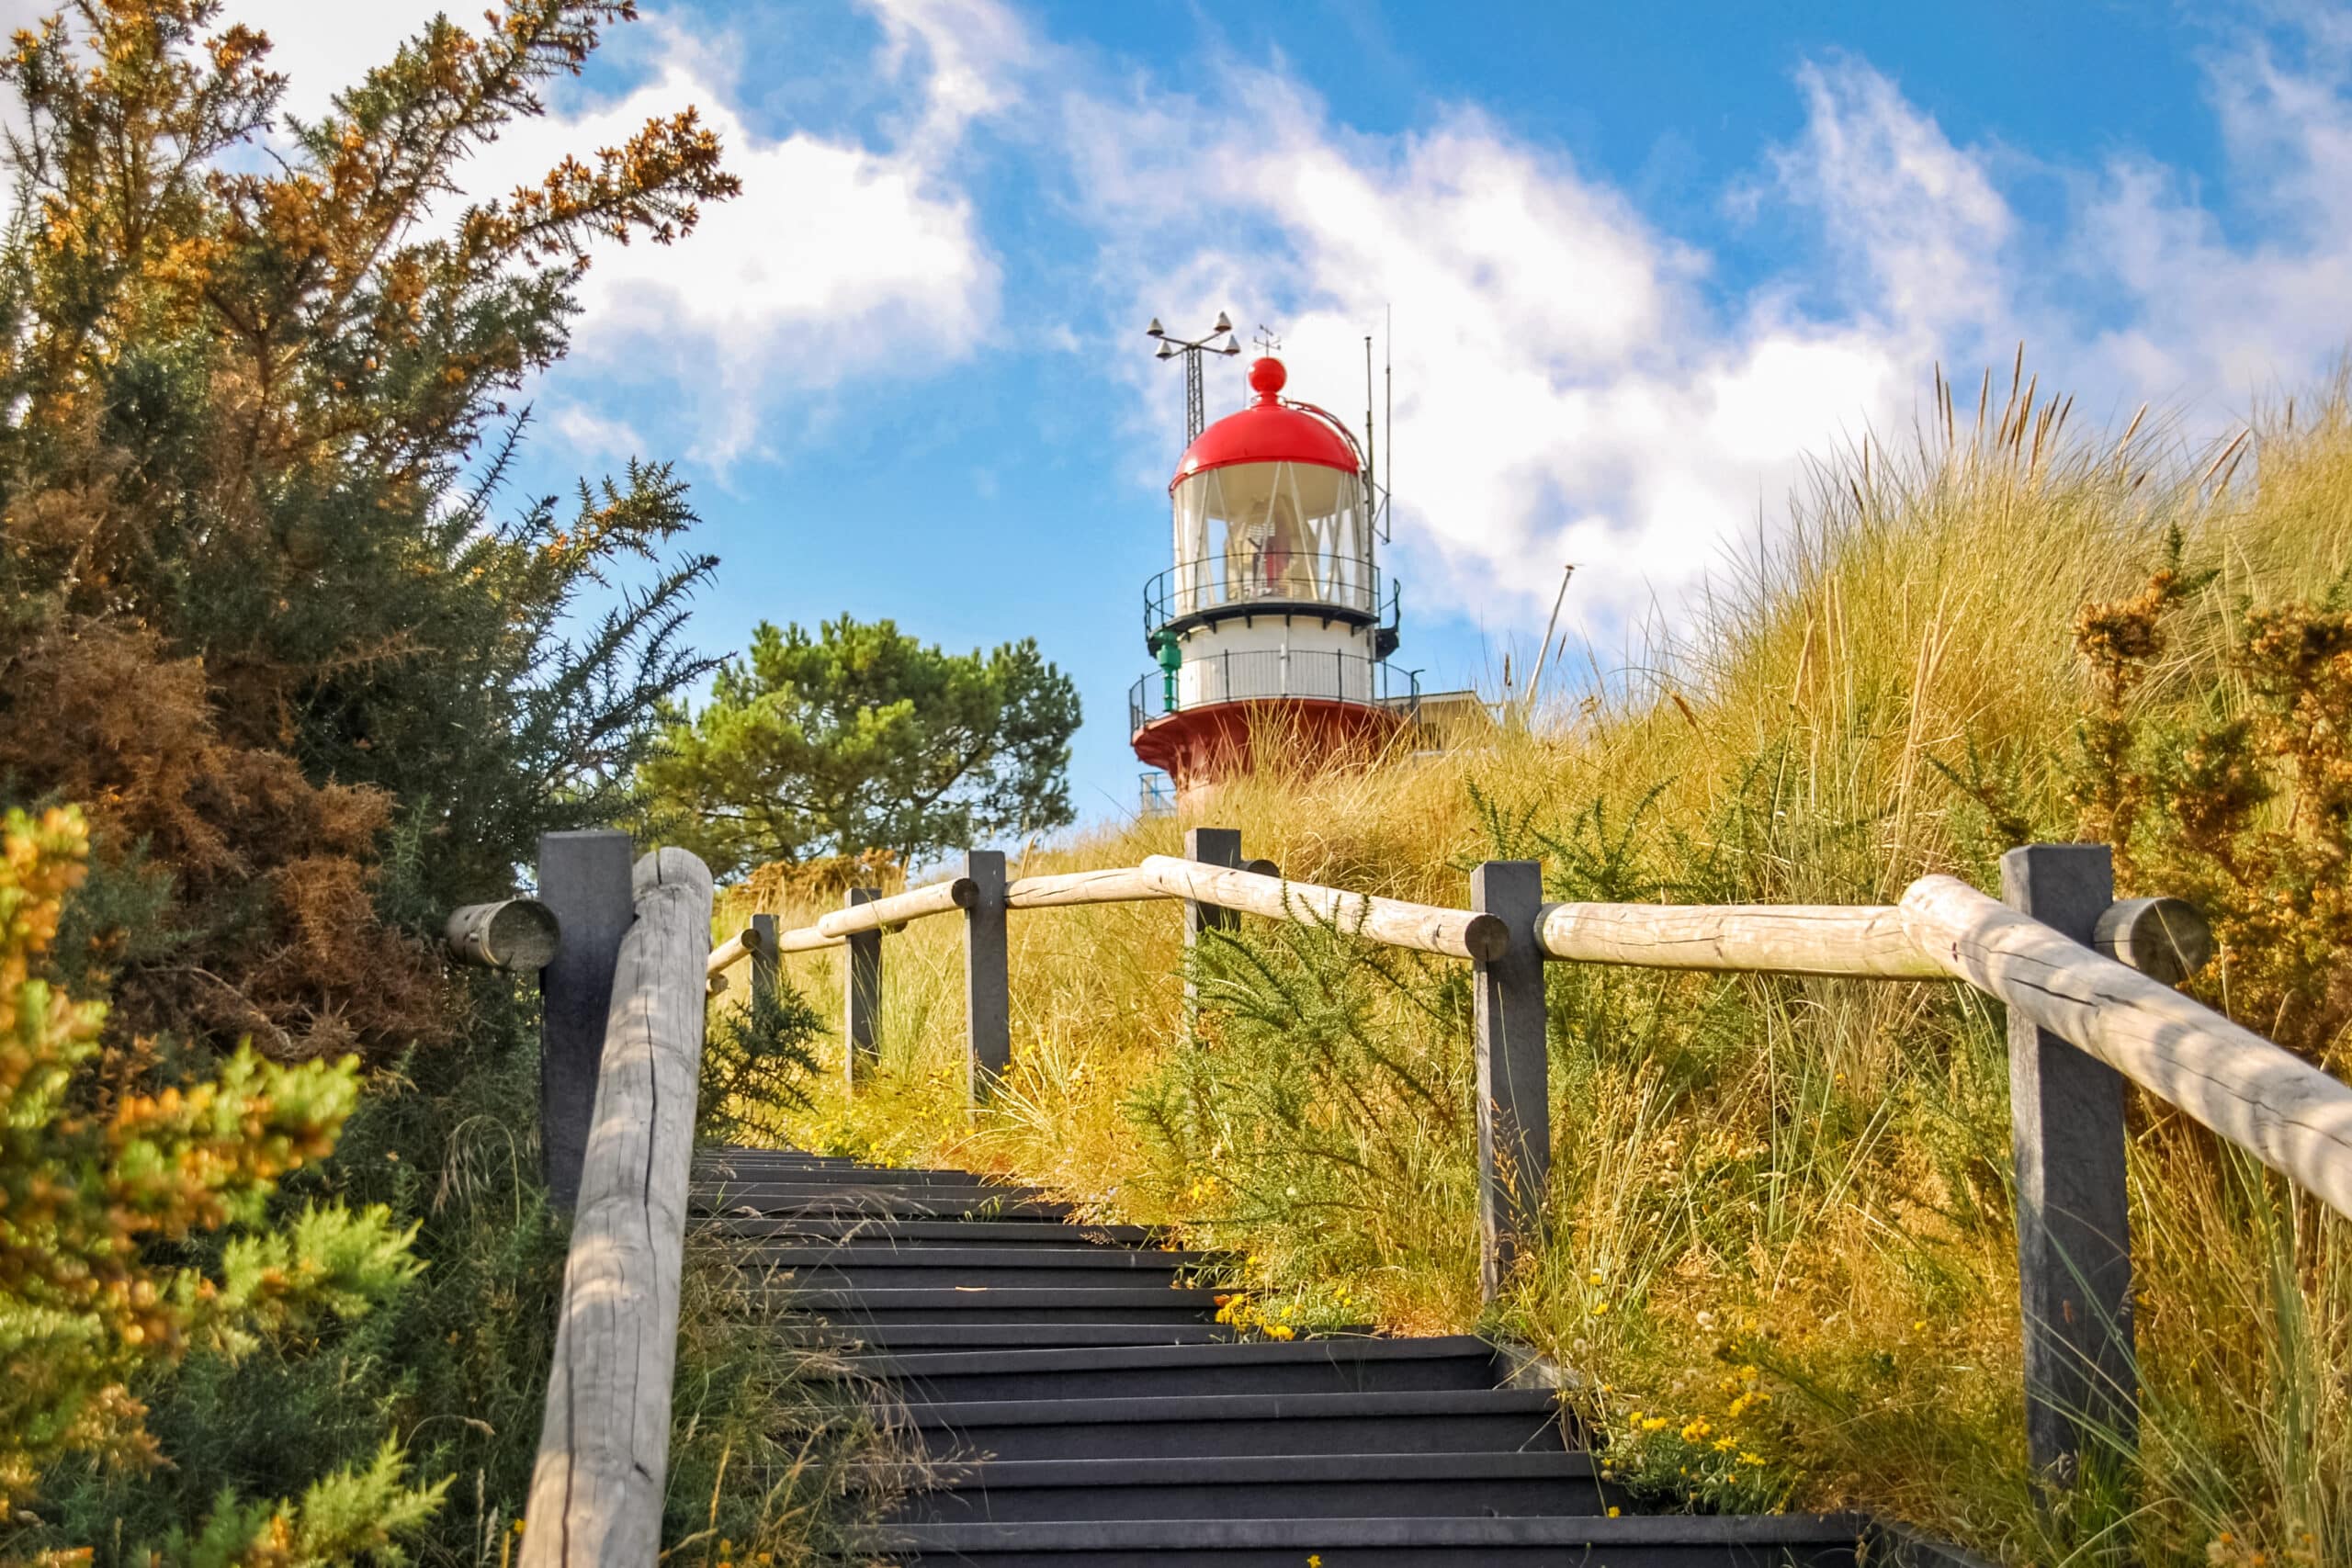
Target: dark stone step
column 740, row 1173
column 956, row 1193
column 1635, row 1542
column 1036, row 1230
column 1176, row 1427
column 1308, row 1486
column 951, row 1333
column 936, row 1203
column 1007, row 1303
column 904, row 1271
column 1302, row 1366
column 940, row 1257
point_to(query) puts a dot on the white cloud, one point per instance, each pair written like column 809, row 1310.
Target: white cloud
column 1572, row 383
column 596, row 437
column 839, row 260
column 1565, row 389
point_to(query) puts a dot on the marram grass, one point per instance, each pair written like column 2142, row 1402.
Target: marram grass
column 1781, row 1261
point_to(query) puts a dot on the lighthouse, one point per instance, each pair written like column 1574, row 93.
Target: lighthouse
column 1273, row 625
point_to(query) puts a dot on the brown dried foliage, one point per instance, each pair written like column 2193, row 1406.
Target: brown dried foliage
column 2243, row 805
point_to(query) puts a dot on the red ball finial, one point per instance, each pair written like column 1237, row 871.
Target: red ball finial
column 1266, row 379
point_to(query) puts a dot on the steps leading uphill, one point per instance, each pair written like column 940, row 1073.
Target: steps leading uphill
column 1084, row 1407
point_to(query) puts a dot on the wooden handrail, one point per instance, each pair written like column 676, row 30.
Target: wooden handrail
column 743, row 945
column 1456, row 933
column 2291, row 1116
column 2286, row 1113
column 957, row 892
column 596, row 1488
column 1864, row 941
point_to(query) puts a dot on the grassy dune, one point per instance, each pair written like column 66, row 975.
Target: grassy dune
column 1781, row 1263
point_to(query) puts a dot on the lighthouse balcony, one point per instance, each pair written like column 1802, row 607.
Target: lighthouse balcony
column 1269, row 675
column 1332, row 588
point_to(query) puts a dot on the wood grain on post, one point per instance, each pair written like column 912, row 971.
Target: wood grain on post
column 514, row 933
column 2074, row 1208
column 764, row 971
column 2167, row 939
column 1454, row 933
column 1514, row 1089
column 2286, row 1113
column 1219, row 847
column 861, row 995
column 584, row 878
column 596, row 1488
column 987, row 982
column 1864, row 941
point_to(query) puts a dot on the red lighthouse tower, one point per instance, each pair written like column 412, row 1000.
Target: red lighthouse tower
column 1272, row 622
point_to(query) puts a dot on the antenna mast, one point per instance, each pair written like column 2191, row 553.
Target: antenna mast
column 1195, row 404
column 1389, row 417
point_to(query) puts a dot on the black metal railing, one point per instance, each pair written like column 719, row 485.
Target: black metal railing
column 1259, row 674
column 1345, row 584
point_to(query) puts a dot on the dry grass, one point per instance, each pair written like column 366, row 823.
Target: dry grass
column 1779, row 1208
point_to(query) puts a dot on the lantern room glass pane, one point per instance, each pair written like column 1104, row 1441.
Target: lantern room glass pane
column 1289, row 533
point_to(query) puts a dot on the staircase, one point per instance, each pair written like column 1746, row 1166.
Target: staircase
column 1085, row 1408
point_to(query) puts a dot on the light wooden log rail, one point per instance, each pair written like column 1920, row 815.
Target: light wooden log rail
column 596, row 1488
column 2289, row 1115
column 2086, row 980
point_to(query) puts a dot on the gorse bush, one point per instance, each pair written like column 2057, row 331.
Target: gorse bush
column 270, row 605
column 756, row 1063
column 93, row 1202
column 1781, row 1261
column 239, row 615
column 765, row 1429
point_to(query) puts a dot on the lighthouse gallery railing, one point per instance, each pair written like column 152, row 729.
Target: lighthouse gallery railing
column 1306, row 583
column 1267, row 673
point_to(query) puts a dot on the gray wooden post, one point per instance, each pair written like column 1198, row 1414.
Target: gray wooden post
column 766, row 962
column 1210, row 846
column 987, row 987
column 1514, row 1093
column 861, row 997
column 584, row 879
column 2074, row 1214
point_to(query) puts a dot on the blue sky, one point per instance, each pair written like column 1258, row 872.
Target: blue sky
column 1641, row 260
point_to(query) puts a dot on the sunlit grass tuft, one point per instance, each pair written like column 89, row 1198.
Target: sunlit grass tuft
column 1780, row 1263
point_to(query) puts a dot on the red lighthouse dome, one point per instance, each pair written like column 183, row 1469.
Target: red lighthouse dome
column 1269, row 431
column 1267, row 629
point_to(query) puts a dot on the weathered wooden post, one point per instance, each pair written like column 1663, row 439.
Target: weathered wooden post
column 861, row 996
column 1514, row 1092
column 766, row 962
column 585, row 880
column 596, row 1488
column 1210, row 846
column 988, row 986
column 513, row 933
column 2074, row 1212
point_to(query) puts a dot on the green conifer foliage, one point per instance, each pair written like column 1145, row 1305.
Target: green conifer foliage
column 94, row 1295
column 240, row 617
column 858, row 738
